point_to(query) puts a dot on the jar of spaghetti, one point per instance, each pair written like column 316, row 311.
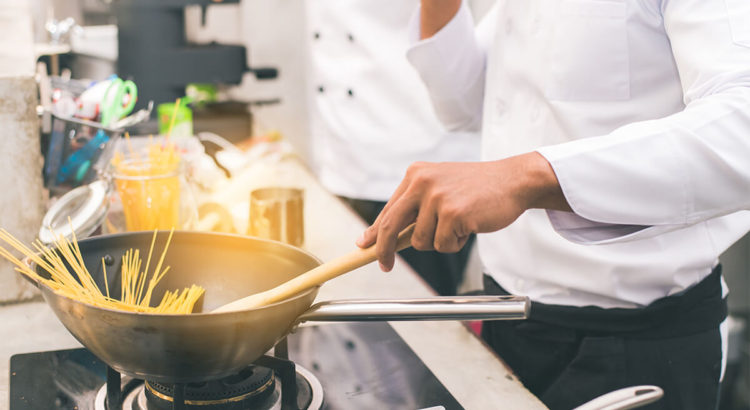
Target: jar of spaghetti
column 151, row 191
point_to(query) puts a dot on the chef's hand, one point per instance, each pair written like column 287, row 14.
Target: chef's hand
column 452, row 200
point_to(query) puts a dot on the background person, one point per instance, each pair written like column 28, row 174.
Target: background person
column 371, row 115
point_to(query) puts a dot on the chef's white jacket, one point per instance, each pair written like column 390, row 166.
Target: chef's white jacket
column 643, row 110
column 370, row 113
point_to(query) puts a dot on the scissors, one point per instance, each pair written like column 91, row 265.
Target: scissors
column 112, row 107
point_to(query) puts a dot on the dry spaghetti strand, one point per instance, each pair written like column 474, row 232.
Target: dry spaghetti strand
column 68, row 276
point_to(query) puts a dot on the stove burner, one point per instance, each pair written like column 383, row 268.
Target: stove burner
column 247, row 389
column 309, row 394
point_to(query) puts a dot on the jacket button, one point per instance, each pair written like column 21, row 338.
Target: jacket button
column 350, row 37
column 321, row 89
column 316, row 35
column 350, row 92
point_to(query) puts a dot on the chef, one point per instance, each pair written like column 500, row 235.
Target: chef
column 371, row 116
column 616, row 169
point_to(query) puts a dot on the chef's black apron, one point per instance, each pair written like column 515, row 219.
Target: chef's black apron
column 568, row 355
column 442, row 271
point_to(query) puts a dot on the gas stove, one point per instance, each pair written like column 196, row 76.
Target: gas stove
column 332, row 366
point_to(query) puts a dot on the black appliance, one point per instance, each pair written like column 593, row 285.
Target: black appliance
column 153, row 50
column 332, row 366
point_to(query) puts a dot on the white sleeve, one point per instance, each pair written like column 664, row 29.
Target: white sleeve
column 655, row 176
column 452, row 66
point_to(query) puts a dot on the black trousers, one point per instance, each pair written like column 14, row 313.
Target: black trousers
column 442, row 271
column 567, row 355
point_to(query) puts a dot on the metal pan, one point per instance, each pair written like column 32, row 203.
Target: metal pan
column 205, row 346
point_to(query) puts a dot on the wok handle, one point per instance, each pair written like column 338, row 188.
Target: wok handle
column 438, row 308
column 623, row 399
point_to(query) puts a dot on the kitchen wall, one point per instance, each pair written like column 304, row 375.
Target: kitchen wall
column 16, row 38
column 23, row 200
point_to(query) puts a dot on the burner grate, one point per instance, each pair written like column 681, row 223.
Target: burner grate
column 251, row 381
column 246, row 389
column 253, row 387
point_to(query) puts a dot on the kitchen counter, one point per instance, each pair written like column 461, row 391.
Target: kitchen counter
column 470, row 371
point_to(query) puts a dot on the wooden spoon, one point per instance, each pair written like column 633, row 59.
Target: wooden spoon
column 315, row 277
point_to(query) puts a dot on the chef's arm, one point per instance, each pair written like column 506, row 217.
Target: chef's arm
column 651, row 177
column 449, row 54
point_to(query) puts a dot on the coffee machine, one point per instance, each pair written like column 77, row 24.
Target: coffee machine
column 153, row 50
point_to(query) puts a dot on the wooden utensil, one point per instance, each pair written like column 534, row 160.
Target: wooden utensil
column 315, row 277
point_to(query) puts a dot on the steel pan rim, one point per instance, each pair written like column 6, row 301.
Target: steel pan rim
column 47, row 290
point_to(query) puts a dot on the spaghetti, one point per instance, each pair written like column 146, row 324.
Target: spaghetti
column 75, row 282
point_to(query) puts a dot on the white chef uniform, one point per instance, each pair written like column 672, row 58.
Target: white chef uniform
column 643, row 110
column 370, row 113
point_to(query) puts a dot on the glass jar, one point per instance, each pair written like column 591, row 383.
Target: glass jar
column 149, row 196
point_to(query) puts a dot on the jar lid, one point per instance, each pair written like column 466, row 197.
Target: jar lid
column 85, row 206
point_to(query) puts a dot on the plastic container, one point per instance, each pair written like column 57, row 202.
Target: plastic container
column 183, row 121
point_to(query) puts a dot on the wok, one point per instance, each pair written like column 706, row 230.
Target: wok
column 206, row 346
